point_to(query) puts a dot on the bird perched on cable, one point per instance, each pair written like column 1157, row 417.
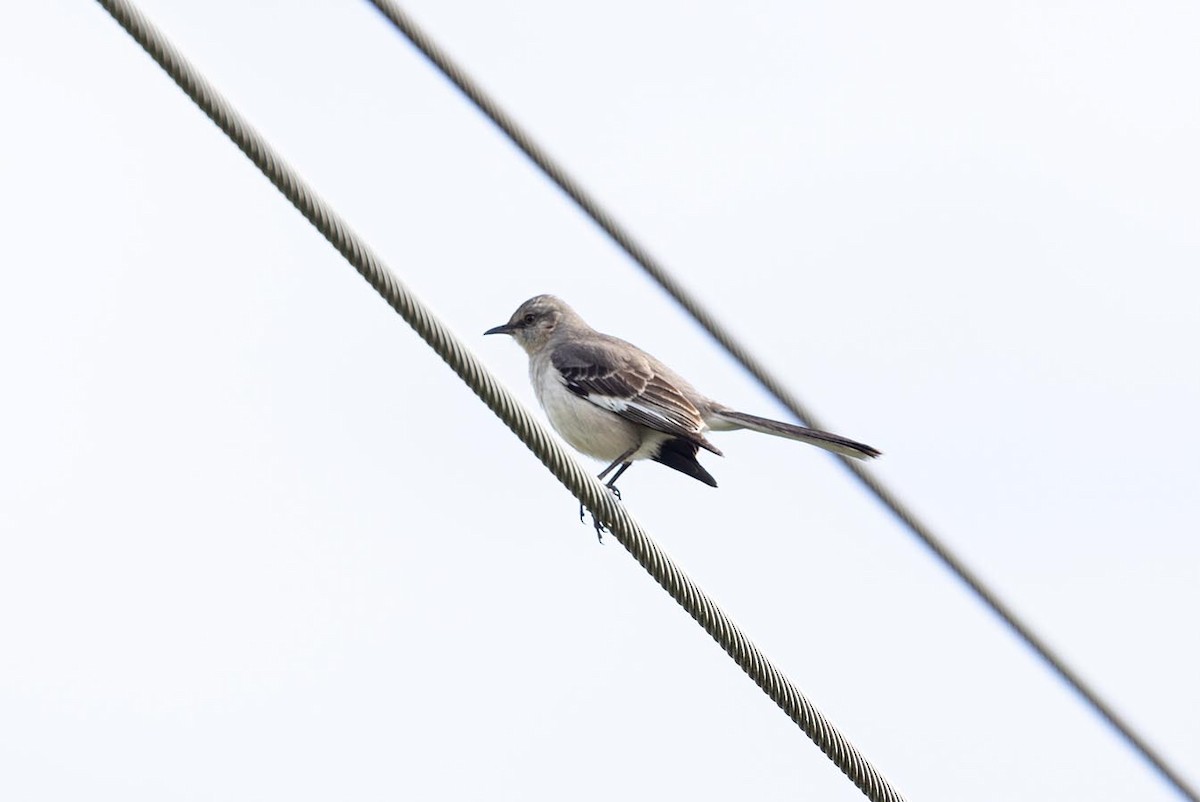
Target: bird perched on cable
column 614, row 402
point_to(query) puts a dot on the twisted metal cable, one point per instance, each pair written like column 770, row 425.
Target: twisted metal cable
column 582, row 484
column 408, row 27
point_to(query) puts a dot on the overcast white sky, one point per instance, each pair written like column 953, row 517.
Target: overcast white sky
column 257, row 542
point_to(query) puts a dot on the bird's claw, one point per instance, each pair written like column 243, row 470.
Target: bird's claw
column 595, row 522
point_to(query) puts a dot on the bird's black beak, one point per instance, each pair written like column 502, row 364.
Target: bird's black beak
column 505, row 329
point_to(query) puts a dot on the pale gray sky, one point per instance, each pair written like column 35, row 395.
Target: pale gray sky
column 256, row 541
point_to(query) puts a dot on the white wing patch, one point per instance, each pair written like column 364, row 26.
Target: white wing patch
column 636, row 408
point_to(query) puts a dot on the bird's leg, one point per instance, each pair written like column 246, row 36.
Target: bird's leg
column 624, row 464
column 615, row 463
column 611, row 485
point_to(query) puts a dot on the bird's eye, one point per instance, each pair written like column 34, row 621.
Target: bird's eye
column 529, row 319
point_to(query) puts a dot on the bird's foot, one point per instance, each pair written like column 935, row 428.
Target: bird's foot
column 600, row 528
column 595, row 522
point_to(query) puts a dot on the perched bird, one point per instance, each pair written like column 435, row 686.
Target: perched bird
column 613, row 401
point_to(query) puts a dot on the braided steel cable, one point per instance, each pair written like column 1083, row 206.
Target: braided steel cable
column 408, row 27
column 582, row 484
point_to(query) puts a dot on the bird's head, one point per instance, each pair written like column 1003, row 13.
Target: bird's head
column 536, row 321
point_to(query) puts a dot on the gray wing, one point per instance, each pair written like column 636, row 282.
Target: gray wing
column 616, row 376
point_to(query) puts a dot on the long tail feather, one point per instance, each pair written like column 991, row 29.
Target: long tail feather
column 830, row 442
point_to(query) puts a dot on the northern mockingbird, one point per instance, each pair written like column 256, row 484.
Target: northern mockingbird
column 611, row 400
